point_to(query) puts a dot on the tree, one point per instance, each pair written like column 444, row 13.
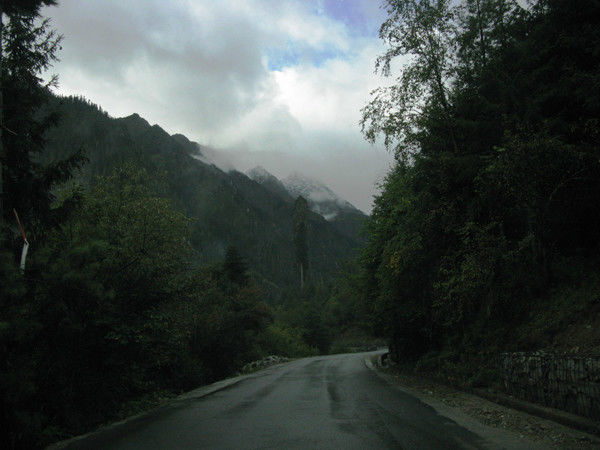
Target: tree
column 494, row 124
column 235, row 267
column 28, row 49
column 104, row 276
column 10, row 8
column 300, row 236
column 421, row 32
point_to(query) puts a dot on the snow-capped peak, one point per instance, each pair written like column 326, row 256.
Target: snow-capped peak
column 311, row 189
column 321, row 199
column 259, row 173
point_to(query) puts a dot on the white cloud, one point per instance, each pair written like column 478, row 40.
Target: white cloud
column 204, row 69
column 328, row 96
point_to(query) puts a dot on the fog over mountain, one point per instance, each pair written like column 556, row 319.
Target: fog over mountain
column 349, row 185
column 273, row 83
column 321, row 198
column 352, row 175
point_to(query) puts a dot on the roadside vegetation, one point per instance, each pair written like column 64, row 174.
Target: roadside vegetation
column 148, row 272
column 485, row 236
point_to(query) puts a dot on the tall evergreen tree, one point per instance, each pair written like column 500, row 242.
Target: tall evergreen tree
column 29, row 48
column 234, row 266
column 10, row 8
column 300, row 236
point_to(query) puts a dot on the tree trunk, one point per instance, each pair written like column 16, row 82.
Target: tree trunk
column 1, row 118
column 481, row 37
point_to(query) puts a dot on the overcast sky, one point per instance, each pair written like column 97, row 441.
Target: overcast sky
column 277, row 83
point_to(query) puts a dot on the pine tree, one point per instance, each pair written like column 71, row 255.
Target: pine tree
column 300, row 236
column 28, row 49
column 235, row 267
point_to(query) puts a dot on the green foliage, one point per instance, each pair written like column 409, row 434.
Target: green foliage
column 16, row 368
column 281, row 339
column 25, row 6
column 28, row 49
column 305, row 310
column 344, row 308
column 301, row 236
column 235, row 267
column 497, row 175
column 95, row 282
column 228, row 209
column 422, row 31
column 111, row 311
column 566, row 319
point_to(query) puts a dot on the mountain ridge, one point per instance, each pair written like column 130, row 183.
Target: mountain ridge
column 322, row 200
column 227, row 208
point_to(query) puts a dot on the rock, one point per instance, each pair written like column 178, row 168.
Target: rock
column 265, row 362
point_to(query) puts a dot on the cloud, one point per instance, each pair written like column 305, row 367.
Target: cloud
column 329, row 96
column 352, row 174
column 280, row 82
column 170, row 60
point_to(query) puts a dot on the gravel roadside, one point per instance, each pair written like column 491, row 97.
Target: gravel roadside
column 541, row 432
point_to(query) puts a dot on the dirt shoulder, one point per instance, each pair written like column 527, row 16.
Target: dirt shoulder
column 504, row 427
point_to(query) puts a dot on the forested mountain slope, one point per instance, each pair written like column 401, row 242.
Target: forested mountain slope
column 271, row 182
column 227, row 208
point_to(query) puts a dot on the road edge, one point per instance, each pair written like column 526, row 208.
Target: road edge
column 560, row 417
column 194, row 394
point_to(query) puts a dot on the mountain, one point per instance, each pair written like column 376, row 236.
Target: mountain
column 270, row 182
column 341, row 214
column 227, row 208
column 320, row 198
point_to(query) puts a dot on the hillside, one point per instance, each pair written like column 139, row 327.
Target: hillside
column 341, row 214
column 270, row 182
column 227, row 208
column 485, row 237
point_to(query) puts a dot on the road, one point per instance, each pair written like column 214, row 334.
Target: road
column 321, row 402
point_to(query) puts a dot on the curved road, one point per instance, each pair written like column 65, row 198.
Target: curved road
column 321, row 402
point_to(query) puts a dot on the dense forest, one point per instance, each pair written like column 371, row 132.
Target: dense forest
column 148, row 272
column 228, row 208
column 485, row 236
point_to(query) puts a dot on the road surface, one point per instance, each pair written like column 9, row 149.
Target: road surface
column 321, row 402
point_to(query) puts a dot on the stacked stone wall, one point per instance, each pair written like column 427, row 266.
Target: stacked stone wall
column 567, row 382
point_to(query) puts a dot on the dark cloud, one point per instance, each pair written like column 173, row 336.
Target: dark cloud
column 209, row 67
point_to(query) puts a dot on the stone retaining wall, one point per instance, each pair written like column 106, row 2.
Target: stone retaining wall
column 567, row 382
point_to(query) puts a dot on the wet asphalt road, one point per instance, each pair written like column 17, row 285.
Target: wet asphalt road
column 321, row 402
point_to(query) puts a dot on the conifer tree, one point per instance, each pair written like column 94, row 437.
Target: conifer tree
column 28, row 49
column 235, row 267
column 300, row 236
